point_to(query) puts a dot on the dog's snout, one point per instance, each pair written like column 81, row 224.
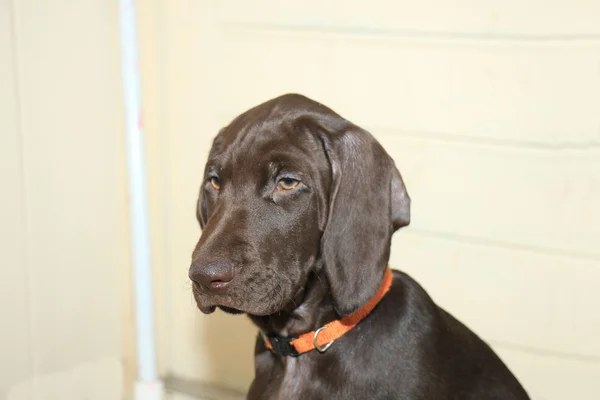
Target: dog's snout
column 213, row 275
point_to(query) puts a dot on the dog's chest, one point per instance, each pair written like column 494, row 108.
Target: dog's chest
column 295, row 379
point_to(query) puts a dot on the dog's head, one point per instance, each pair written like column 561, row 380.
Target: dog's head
column 291, row 187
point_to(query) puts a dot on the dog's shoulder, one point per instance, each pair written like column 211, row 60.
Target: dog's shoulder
column 415, row 321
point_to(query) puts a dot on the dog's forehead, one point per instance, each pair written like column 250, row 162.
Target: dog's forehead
column 262, row 143
column 279, row 119
column 281, row 126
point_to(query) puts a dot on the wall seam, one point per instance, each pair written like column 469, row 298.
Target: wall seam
column 536, row 351
column 23, row 175
column 458, row 138
column 482, row 241
column 321, row 30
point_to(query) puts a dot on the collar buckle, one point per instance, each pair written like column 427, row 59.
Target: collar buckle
column 323, row 348
column 281, row 345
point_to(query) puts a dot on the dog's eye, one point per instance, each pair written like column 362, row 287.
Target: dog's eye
column 287, row 183
column 215, row 182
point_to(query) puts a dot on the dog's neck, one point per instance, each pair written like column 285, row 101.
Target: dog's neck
column 311, row 308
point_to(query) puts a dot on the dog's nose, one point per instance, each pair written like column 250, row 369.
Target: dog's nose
column 214, row 275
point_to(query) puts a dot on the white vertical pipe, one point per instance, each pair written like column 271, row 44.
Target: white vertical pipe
column 148, row 385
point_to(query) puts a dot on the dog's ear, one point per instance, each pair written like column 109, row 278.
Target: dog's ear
column 368, row 202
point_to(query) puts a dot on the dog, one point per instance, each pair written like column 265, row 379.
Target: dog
column 297, row 209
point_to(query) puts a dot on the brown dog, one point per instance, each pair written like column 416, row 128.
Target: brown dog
column 298, row 207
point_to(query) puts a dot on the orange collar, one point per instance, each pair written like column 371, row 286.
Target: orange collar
column 323, row 337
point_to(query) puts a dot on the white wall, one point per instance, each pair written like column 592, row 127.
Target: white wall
column 64, row 297
column 490, row 110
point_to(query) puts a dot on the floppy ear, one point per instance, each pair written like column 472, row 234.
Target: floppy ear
column 368, row 202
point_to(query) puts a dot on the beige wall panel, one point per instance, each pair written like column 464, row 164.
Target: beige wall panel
column 496, row 92
column 70, row 101
column 543, row 199
column 15, row 331
column 489, row 91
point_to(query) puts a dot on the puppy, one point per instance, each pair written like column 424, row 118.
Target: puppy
column 297, row 209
